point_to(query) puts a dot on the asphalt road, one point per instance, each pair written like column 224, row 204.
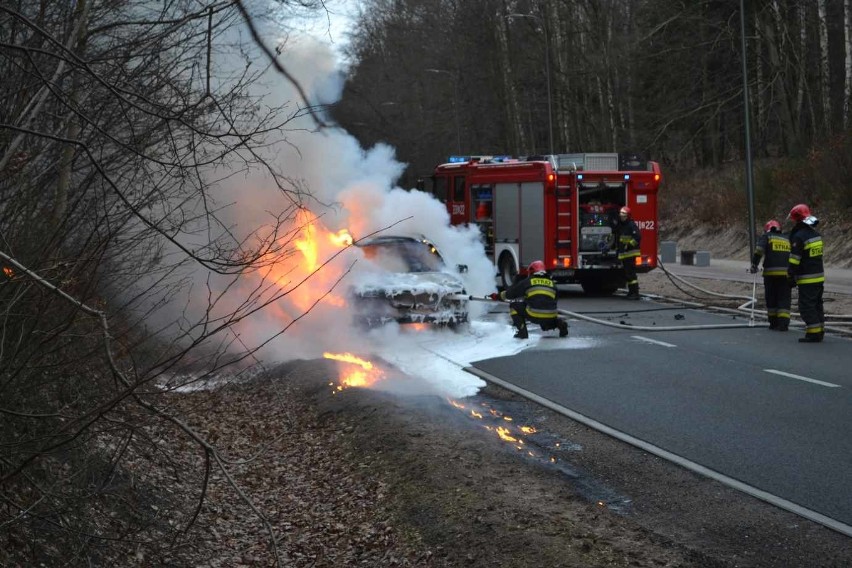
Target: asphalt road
column 751, row 404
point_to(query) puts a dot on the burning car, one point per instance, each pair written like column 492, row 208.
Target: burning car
column 408, row 282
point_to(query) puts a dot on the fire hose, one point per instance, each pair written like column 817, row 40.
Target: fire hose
column 748, row 305
column 584, row 317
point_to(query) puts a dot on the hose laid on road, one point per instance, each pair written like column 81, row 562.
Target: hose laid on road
column 748, row 305
column 837, row 325
column 654, row 327
column 580, row 316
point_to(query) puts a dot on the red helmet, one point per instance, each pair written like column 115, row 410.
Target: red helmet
column 799, row 213
column 537, row 266
column 770, row 225
column 625, row 210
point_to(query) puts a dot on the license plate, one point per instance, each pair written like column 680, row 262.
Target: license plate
column 561, row 273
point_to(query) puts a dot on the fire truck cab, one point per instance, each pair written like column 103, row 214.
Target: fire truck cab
column 560, row 209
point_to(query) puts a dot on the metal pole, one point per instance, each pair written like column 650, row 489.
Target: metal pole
column 749, row 171
column 549, row 96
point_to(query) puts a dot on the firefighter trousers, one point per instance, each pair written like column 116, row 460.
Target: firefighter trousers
column 629, row 265
column 776, row 291
column 810, row 308
column 518, row 311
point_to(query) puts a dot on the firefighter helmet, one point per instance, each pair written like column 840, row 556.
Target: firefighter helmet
column 799, row 213
column 537, row 266
column 624, row 211
column 771, row 225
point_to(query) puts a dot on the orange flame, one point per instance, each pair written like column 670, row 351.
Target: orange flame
column 505, row 435
column 341, row 238
column 7, row 270
column 316, row 245
column 504, row 432
column 307, row 245
column 366, row 376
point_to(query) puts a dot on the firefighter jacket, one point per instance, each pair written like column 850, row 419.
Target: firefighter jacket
column 627, row 238
column 539, row 294
column 806, row 255
column 774, row 248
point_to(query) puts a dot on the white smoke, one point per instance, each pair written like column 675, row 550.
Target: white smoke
column 351, row 188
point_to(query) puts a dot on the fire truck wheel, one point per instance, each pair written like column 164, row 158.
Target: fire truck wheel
column 508, row 271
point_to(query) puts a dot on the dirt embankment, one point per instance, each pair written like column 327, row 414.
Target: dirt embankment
column 733, row 243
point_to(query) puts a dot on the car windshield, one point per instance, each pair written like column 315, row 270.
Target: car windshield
column 404, row 256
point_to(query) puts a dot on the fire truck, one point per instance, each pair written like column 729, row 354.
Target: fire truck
column 560, row 209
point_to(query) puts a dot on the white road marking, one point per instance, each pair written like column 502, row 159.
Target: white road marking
column 654, row 341
column 801, row 378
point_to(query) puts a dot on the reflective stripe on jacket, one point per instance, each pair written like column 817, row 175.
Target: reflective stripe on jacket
column 806, row 255
column 539, row 293
column 775, row 250
column 629, row 237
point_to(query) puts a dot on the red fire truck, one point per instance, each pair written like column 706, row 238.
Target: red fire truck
column 556, row 208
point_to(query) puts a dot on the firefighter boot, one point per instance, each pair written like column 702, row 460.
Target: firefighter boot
column 563, row 327
column 783, row 324
column 773, row 323
column 811, row 338
column 521, row 324
column 632, row 292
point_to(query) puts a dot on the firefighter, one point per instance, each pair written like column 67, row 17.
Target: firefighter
column 774, row 248
column 806, row 271
column 533, row 299
column 627, row 237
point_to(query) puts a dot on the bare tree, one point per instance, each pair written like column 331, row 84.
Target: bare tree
column 117, row 120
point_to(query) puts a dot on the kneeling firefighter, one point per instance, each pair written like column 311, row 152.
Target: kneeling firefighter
column 533, row 299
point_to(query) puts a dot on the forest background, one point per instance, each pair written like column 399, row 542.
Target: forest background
column 121, row 128
column 434, row 78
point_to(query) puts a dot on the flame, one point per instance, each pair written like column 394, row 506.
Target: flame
column 365, row 376
column 505, row 434
column 307, row 245
column 7, row 270
column 341, row 238
column 316, row 244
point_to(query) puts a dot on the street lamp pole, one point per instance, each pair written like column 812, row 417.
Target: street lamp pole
column 546, row 71
column 453, row 78
column 747, row 120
